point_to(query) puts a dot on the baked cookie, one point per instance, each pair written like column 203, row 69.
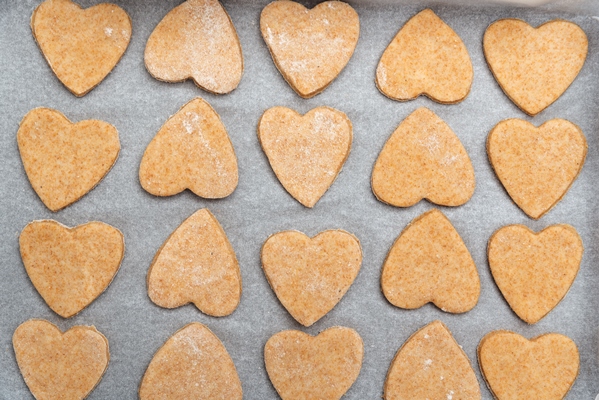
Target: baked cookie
column 536, row 166
column 196, row 40
column 423, row 159
column 310, row 47
column 70, row 267
column 311, row 275
column 534, row 66
column 305, row 152
column 429, row 263
column 191, row 151
column 192, row 364
column 534, row 271
column 196, row 264
column 425, row 57
column 81, row 46
column 63, row 160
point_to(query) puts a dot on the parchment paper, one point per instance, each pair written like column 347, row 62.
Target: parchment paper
column 138, row 105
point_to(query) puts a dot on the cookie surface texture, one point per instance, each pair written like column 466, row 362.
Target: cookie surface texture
column 431, row 365
column 196, row 40
column 81, row 46
column 534, row 271
column 311, row 275
column 192, row 364
column 305, row 152
column 425, row 57
column 63, row 161
column 536, row 166
column 70, row 267
column 58, row 365
column 191, row 151
column 429, row 263
column 310, row 47
column 517, row 368
column 321, row 367
column 423, row 159
column 196, row 264
column 534, row 66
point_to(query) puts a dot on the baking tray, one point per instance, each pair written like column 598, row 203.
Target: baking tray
column 138, row 105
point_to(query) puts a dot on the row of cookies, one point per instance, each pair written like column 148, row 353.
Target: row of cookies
column 310, row 48
column 194, row 363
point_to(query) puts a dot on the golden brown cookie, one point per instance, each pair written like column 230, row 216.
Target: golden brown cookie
column 57, row 365
column 192, row 364
column 516, row 368
column 310, row 47
column 305, row 152
column 536, row 166
column 196, row 40
column 196, row 264
column 429, row 263
column 534, row 271
column 311, row 275
column 324, row 367
column 423, row 158
column 191, row 151
column 425, row 57
column 81, row 46
column 63, row 160
column 534, row 66
column 70, row 267
column 431, row 365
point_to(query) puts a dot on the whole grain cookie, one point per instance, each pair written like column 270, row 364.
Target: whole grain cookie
column 425, row 57
column 196, row 40
column 534, row 66
column 196, row 264
column 534, row 271
column 63, row 160
column 191, row 364
column 305, row 152
column 191, row 151
column 423, row 158
column 536, row 166
column 431, row 365
column 81, row 46
column 325, row 366
column 311, row 275
column 58, row 365
column 516, row 368
column 70, row 267
column 310, row 47
column 429, row 263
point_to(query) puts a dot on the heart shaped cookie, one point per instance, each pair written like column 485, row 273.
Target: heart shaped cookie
column 192, row 364
column 191, row 151
column 534, row 66
column 70, row 267
column 536, row 166
column 431, row 365
column 310, row 47
column 81, row 46
column 534, row 271
column 423, row 158
column 301, row 366
column 429, row 263
column 196, row 40
column 425, row 57
column 305, row 152
column 516, row 368
column 64, row 161
column 58, row 365
column 196, row 265
column 310, row 276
